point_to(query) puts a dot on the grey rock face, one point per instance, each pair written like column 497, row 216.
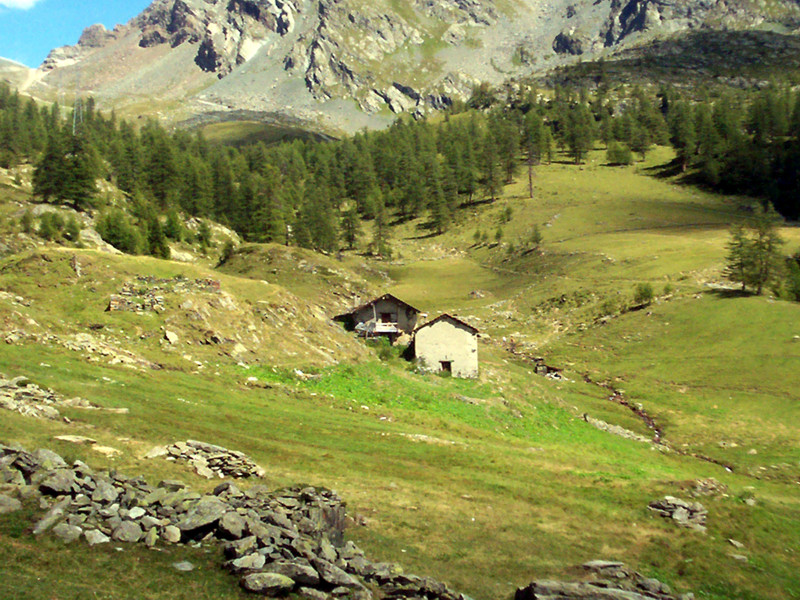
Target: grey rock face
column 94, row 537
column 9, row 504
column 685, row 514
column 58, row 483
column 171, row 534
column 303, row 574
column 268, row 584
column 333, row 575
column 128, row 532
column 251, row 562
column 606, row 580
column 207, row 512
column 67, row 533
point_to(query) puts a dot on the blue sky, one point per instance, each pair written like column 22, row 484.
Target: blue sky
column 29, row 29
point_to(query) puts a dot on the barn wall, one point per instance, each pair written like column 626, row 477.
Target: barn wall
column 406, row 318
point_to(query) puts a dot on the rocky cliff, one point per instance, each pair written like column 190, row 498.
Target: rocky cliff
column 350, row 63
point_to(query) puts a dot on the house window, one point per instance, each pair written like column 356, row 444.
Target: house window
column 447, row 366
column 387, row 318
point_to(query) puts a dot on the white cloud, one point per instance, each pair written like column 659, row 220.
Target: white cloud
column 21, row 4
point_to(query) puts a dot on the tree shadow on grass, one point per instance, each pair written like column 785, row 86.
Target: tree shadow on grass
column 668, row 170
column 730, row 293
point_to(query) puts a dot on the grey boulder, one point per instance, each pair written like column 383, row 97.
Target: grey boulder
column 267, row 584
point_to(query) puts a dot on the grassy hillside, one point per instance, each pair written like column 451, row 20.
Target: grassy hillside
column 485, row 484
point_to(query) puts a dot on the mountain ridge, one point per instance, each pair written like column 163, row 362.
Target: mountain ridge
column 347, row 64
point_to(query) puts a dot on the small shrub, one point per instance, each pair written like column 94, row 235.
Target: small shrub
column 608, row 307
column 72, row 230
column 204, row 236
column 536, row 237
column 228, row 250
column 643, row 294
column 173, row 228
column 498, row 235
column 116, row 228
column 668, row 289
column 26, row 222
column 619, row 154
column 51, row 226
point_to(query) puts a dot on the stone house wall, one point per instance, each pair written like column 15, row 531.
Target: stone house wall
column 448, row 341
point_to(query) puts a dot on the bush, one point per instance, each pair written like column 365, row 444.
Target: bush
column 619, row 154
column 50, row 226
column 643, row 294
column 116, row 228
column 608, row 307
column 26, row 222
column 536, row 237
column 228, row 250
column 72, row 230
column 793, row 280
column 204, row 236
column 173, row 229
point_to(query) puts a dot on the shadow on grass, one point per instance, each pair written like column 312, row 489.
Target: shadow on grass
column 729, row 293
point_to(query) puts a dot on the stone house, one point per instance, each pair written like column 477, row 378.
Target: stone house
column 385, row 316
column 447, row 344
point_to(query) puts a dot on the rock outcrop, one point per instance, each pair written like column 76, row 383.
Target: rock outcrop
column 300, row 58
column 209, row 460
column 685, row 514
column 606, row 580
column 275, row 542
column 23, row 396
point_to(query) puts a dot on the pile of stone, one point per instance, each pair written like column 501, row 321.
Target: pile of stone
column 275, row 542
column 209, row 460
column 708, row 487
column 26, row 398
column 147, row 293
column 686, row 514
column 605, row 580
column 617, row 430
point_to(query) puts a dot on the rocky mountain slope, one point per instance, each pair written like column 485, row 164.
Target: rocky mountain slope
column 349, row 63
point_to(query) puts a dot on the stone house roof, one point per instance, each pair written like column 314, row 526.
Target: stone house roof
column 474, row 330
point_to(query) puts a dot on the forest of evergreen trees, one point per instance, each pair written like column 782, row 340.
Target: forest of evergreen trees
column 320, row 194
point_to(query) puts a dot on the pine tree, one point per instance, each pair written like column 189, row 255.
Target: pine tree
column 380, row 234
column 766, row 244
column 489, row 167
column 204, row 236
column 579, row 133
column 173, row 228
column 157, row 244
column 351, row 227
column 738, row 259
column 682, row 129
column 754, row 251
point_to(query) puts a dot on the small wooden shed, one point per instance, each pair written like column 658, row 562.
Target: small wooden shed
column 447, row 344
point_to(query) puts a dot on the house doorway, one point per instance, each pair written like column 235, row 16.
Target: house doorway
column 386, row 318
column 447, row 366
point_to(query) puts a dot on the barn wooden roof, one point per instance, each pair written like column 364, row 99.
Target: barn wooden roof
column 384, row 297
column 450, row 317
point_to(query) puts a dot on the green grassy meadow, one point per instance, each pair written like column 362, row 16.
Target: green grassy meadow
column 484, row 484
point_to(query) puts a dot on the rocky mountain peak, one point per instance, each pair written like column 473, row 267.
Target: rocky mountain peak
column 304, row 57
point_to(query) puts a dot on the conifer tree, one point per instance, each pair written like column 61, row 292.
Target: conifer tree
column 351, row 227
column 157, row 244
column 490, row 168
